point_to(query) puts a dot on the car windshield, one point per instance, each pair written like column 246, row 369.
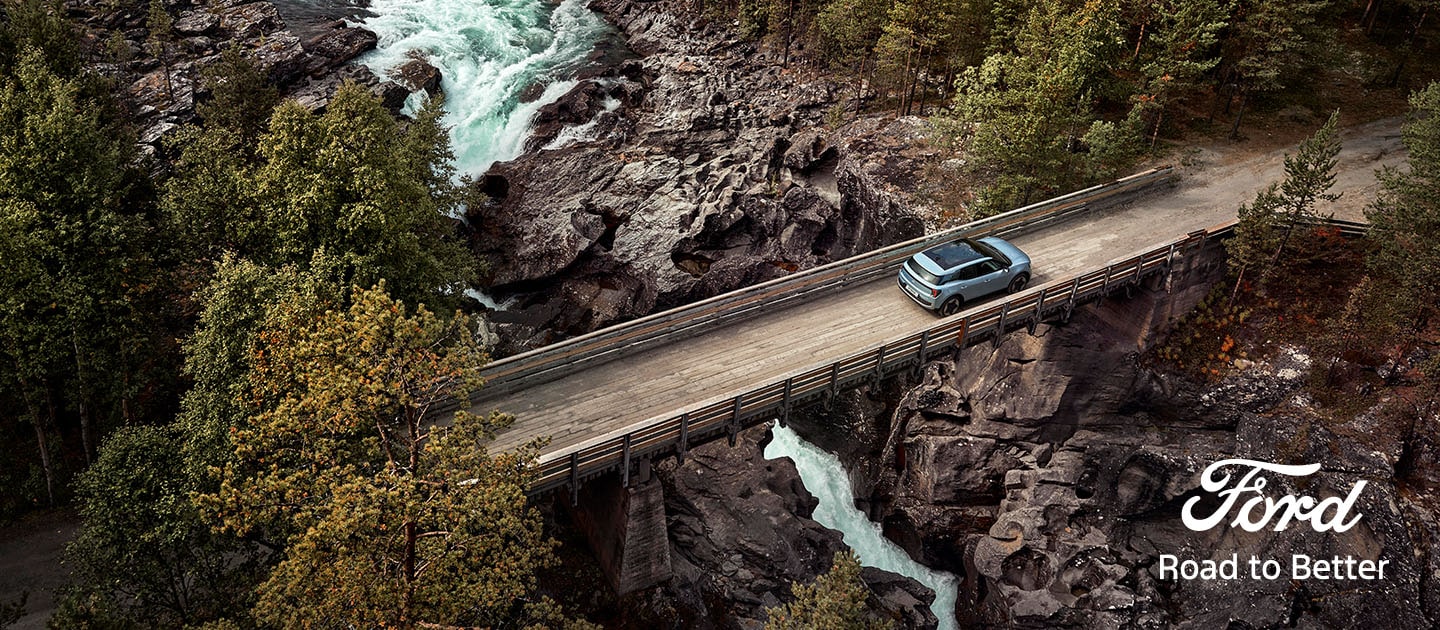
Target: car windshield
column 919, row 272
column 986, row 249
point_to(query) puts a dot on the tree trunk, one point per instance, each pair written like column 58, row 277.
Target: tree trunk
column 909, row 50
column 860, row 85
column 1155, row 133
column 1371, row 10
column 87, row 423
column 1240, row 115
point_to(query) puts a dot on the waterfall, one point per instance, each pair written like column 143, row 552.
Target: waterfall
column 825, row 477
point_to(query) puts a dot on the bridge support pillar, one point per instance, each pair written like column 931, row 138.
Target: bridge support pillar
column 626, row 530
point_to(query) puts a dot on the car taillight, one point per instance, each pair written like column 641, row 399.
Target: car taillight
column 934, row 292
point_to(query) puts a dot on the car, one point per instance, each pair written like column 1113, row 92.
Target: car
column 947, row 276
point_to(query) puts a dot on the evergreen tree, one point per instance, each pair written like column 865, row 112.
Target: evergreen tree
column 144, row 557
column 1022, row 115
column 1265, row 226
column 836, row 601
column 352, row 183
column 1405, row 219
column 1269, row 40
column 77, row 264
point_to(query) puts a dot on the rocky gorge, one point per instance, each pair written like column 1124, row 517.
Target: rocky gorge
column 158, row 68
column 702, row 165
column 1050, row 471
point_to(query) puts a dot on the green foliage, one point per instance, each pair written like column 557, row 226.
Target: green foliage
column 1405, row 219
column 235, row 306
column 38, row 25
column 351, row 183
column 240, row 98
column 1023, row 115
column 836, row 601
column 144, row 557
column 78, row 264
column 1266, row 225
column 849, row 29
column 385, row 520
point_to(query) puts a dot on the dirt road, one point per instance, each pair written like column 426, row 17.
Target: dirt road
column 1229, row 174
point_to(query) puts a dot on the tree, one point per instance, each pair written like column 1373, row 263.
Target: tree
column 1267, row 41
column 144, row 557
column 1405, row 218
column 38, row 25
column 1256, row 236
column 385, row 520
column 77, row 259
column 162, row 31
column 1022, row 114
column 1265, row 226
column 1174, row 49
column 241, row 100
column 836, row 601
column 351, row 182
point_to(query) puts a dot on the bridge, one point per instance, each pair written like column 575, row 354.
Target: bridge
column 705, row 371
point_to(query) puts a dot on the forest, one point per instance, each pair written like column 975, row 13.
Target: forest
column 222, row 356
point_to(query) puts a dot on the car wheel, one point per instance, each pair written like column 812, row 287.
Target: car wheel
column 952, row 306
column 1018, row 284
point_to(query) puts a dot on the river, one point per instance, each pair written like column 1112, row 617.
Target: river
column 824, row 476
column 500, row 61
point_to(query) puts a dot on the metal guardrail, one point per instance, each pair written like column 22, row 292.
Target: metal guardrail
column 566, row 357
column 726, row 416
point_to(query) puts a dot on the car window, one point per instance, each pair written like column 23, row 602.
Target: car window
column 987, row 267
column 968, row 273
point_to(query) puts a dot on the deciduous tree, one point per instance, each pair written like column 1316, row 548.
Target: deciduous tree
column 385, row 519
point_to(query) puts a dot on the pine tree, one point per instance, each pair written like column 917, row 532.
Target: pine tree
column 1405, row 219
column 836, row 601
column 1022, row 115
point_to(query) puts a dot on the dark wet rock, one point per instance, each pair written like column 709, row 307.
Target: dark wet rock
column 342, row 44
column 700, row 168
column 197, row 22
column 250, row 20
column 281, row 57
column 1050, row 472
column 576, row 107
column 315, row 94
column 417, row 75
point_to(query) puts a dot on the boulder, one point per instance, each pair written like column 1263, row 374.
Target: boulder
column 281, row 57
column 341, row 45
column 250, row 20
column 417, row 75
column 197, row 22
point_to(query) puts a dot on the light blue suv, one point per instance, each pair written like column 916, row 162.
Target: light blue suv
column 945, row 277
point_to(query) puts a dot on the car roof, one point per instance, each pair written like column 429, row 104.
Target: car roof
column 950, row 256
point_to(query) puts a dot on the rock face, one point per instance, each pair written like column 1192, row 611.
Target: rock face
column 741, row 533
column 1050, row 472
column 164, row 88
column 703, row 166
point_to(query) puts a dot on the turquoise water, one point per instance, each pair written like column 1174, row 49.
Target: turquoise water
column 825, row 477
column 492, row 54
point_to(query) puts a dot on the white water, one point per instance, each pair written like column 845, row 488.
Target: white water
column 825, row 477
column 489, row 52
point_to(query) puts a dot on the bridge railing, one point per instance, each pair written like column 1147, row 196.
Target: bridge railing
column 726, row 416
column 566, row 357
